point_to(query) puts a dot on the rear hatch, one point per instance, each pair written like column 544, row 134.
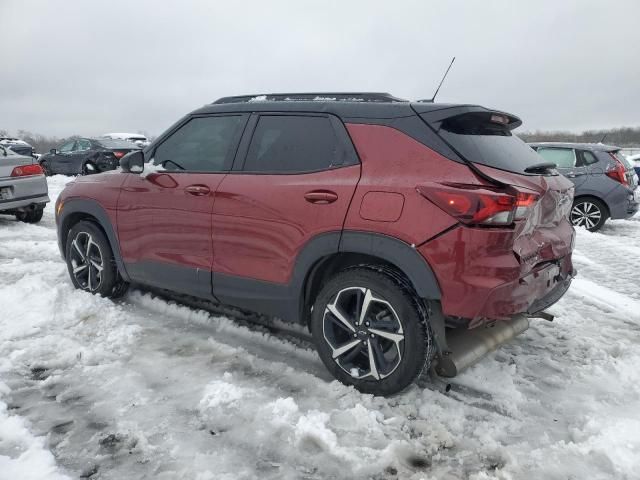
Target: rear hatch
column 539, row 217
column 627, row 173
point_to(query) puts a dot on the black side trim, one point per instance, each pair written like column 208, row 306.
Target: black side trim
column 281, row 300
column 94, row 209
column 397, row 252
column 177, row 278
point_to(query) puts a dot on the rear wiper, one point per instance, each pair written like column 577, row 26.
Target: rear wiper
column 540, row 167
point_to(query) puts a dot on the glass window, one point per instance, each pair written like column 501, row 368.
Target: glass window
column 83, row 144
column 562, row 157
column 480, row 140
column 204, row 144
column 286, row 143
column 106, row 143
column 588, row 158
column 67, row 147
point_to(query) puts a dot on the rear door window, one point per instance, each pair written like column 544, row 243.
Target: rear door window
column 67, row 147
column 294, row 144
column 562, row 157
column 585, row 158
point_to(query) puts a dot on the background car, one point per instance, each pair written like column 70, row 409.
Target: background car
column 635, row 161
column 23, row 188
column 136, row 138
column 606, row 185
column 84, row 156
column 19, row 146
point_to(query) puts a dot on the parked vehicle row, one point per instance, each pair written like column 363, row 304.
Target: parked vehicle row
column 404, row 235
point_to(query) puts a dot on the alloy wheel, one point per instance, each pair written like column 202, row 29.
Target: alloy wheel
column 364, row 333
column 86, row 262
column 585, row 214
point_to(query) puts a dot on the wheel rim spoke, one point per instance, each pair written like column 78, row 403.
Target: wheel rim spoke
column 345, row 348
column 337, row 314
column 365, row 306
column 394, row 337
column 373, row 369
column 79, row 268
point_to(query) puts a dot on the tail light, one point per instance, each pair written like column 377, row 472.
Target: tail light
column 27, row 170
column 478, row 205
column 618, row 172
column 119, row 154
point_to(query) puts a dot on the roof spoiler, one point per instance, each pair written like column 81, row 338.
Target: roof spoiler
column 436, row 117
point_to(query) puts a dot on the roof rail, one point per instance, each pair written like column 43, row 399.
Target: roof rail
column 317, row 97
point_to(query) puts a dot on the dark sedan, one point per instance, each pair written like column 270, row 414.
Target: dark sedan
column 84, row 156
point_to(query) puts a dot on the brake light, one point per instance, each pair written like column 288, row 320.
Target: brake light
column 27, row 170
column 618, row 172
column 478, row 205
column 119, row 154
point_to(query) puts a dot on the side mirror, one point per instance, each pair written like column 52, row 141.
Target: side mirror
column 133, row 162
column 53, row 151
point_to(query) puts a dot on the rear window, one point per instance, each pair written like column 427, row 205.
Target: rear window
column 108, row 143
column 479, row 140
column 562, row 157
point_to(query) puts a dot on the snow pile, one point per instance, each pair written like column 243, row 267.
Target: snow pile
column 145, row 388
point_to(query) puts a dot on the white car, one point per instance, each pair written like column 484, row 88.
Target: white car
column 136, row 138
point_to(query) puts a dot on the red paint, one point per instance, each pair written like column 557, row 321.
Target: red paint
column 261, row 222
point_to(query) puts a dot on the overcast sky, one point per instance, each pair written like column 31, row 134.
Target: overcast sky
column 90, row 67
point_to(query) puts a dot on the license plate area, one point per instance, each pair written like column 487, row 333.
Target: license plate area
column 6, row 193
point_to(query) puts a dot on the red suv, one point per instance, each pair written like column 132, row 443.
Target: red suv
column 405, row 235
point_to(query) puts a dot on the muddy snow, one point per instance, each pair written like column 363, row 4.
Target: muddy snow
column 146, row 388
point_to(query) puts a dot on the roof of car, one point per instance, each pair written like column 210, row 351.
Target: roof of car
column 345, row 105
column 124, row 135
column 598, row 147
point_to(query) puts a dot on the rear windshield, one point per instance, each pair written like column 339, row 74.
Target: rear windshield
column 479, row 140
column 108, row 143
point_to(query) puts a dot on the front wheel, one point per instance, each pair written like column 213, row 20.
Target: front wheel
column 89, row 168
column 589, row 213
column 371, row 331
column 91, row 263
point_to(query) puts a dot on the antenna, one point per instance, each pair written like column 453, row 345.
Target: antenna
column 442, row 81
column 603, row 137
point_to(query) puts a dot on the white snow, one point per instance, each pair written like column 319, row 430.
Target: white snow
column 145, row 388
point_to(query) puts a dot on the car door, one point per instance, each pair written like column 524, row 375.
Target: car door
column 297, row 178
column 60, row 163
column 164, row 216
column 567, row 163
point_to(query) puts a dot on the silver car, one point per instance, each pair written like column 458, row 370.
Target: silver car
column 606, row 183
column 23, row 186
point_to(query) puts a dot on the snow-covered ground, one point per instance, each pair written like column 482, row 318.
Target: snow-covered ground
column 144, row 388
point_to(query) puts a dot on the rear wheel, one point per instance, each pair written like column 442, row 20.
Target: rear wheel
column 589, row 213
column 30, row 216
column 89, row 168
column 91, row 263
column 371, row 330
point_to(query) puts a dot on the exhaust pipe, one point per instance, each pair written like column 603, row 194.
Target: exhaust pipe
column 467, row 347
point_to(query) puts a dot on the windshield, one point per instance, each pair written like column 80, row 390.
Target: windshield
column 480, row 140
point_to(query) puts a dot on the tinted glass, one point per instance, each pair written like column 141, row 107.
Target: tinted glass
column 293, row 144
column 83, row 144
column 107, row 143
column 480, row 140
column 562, row 157
column 202, row 145
column 588, row 158
column 67, row 147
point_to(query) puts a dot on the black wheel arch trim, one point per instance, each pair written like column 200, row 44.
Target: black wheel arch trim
column 90, row 208
column 399, row 253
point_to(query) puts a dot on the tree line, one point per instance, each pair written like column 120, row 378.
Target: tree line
column 43, row 143
column 621, row 137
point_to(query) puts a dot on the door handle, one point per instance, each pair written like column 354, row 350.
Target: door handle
column 197, row 190
column 321, row 197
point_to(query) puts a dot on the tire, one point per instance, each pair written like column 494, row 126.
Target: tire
column 30, row 216
column 88, row 247
column 589, row 213
column 89, row 168
column 394, row 331
column 45, row 168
